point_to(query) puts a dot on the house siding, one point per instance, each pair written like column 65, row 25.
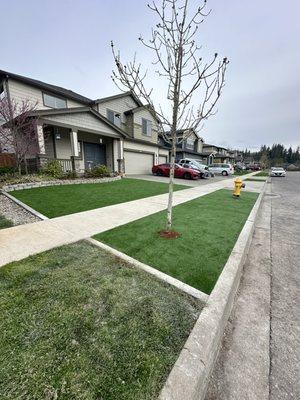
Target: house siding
column 119, row 105
column 20, row 91
column 83, row 121
column 137, row 132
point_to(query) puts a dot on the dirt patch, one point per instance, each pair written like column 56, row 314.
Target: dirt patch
column 169, row 234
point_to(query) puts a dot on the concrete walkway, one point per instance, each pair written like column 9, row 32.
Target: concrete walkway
column 21, row 241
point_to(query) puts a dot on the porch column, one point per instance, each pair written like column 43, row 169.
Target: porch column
column 74, row 143
column 41, row 139
column 118, row 148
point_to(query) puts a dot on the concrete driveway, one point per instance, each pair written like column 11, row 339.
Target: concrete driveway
column 187, row 182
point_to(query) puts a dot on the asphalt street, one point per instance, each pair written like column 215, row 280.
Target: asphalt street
column 260, row 354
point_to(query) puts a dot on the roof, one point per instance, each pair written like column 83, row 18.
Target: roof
column 118, row 96
column 181, row 131
column 48, row 87
column 214, row 145
column 135, row 109
column 74, row 110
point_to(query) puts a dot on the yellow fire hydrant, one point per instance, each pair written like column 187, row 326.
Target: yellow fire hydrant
column 238, row 185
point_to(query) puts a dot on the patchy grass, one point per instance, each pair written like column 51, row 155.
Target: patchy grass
column 77, row 323
column 209, row 227
column 4, row 223
column 262, row 173
column 255, row 180
column 240, row 173
column 55, row 201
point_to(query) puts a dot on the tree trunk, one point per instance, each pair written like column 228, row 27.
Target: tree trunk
column 171, row 182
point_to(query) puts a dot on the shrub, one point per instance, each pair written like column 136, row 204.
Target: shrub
column 98, row 172
column 69, row 175
column 52, row 168
column 6, row 170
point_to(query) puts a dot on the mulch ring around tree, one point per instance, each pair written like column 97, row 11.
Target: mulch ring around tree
column 169, row 234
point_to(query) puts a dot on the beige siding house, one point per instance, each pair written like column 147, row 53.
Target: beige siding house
column 118, row 131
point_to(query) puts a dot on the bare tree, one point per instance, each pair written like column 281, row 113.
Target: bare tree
column 174, row 42
column 18, row 133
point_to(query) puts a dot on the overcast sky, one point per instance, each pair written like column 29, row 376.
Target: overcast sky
column 66, row 42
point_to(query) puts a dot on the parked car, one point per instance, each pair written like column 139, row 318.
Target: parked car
column 277, row 171
column 179, row 172
column 204, row 170
column 222, row 169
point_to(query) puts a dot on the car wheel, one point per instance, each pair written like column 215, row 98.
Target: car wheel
column 159, row 173
column 224, row 173
column 186, row 175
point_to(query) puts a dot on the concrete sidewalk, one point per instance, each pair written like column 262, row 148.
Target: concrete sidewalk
column 24, row 240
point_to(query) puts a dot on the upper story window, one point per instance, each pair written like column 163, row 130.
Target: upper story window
column 190, row 143
column 114, row 117
column 53, row 101
column 146, row 127
column 2, row 91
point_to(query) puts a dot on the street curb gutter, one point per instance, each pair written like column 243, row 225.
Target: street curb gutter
column 190, row 375
column 21, row 204
column 158, row 274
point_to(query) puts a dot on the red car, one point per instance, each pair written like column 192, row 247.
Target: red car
column 179, row 172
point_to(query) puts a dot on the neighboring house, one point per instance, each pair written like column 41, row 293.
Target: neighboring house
column 117, row 131
column 190, row 145
column 216, row 154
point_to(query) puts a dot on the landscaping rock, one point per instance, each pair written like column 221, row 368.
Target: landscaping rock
column 16, row 214
column 30, row 185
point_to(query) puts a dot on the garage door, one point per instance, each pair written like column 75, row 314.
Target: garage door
column 138, row 163
column 162, row 159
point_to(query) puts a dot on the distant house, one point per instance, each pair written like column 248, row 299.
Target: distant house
column 117, row 131
column 217, row 154
column 190, row 145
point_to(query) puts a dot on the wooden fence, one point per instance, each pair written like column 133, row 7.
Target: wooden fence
column 7, row 160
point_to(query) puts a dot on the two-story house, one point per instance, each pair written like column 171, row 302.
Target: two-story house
column 217, row 154
column 189, row 145
column 117, row 131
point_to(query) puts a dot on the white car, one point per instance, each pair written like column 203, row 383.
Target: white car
column 277, row 171
column 222, row 169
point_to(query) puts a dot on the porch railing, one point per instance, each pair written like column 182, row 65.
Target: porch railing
column 66, row 165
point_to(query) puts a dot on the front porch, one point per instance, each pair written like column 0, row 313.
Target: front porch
column 79, row 144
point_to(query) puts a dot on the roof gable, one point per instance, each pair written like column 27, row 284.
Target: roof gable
column 81, row 118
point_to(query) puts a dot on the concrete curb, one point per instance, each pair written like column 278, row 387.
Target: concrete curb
column 25, row 206
column 203, row 297
column 190, row 375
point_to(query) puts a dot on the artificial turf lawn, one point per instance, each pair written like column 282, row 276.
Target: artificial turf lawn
column 55, row 201
column 77, row 323
column 262, row 173
column 4, row 223
column 209, row 227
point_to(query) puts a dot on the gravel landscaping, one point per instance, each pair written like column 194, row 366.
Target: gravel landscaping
column 14, row 213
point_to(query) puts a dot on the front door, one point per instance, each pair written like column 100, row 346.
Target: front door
column 94, row 154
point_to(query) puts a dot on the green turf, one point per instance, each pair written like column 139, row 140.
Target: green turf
column 240, row 173
column 4, row 223
column 55, row 201
column 262, row 173
column 78, row 324
column 209, row 227
column 255, row 180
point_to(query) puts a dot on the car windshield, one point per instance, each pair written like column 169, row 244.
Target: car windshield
column 278, row 169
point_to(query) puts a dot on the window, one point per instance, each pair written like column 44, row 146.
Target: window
column 53, row 101
column 2, row 91
column 146, row 127
column 189, row 144
column 114, row 117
